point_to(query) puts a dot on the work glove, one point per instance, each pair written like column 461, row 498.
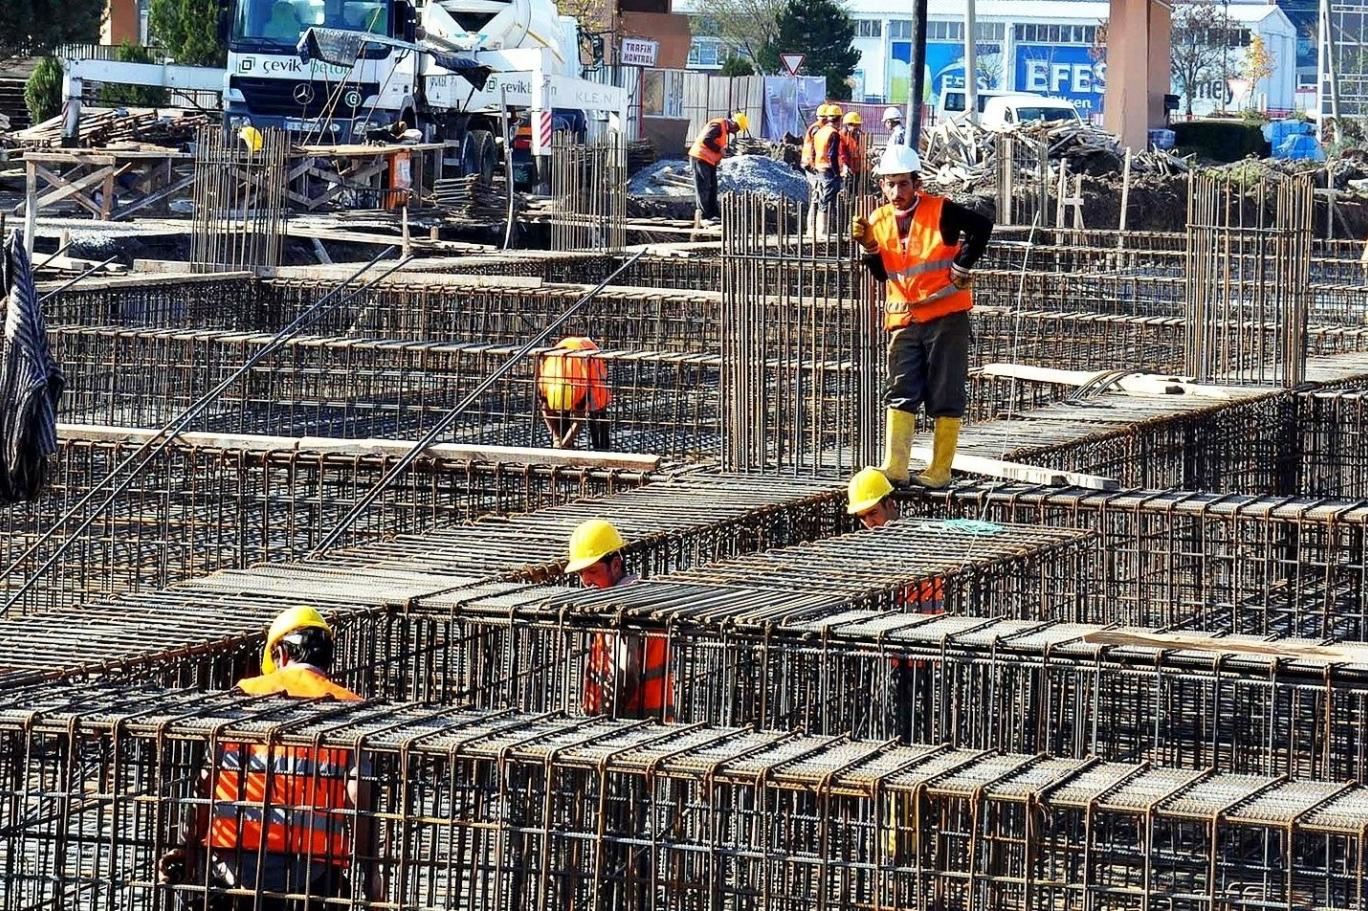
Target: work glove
column 173, row 867
column 960, row 277
column 862, row 235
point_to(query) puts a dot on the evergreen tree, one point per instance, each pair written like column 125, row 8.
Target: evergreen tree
column 43, row 91
column 188, row 29
column 37, row 27
column 822, row 31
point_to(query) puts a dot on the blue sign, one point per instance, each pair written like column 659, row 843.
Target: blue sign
column 944, row 68
column 1062, row 71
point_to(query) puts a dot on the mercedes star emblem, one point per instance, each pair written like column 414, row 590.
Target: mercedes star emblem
column 303, row 93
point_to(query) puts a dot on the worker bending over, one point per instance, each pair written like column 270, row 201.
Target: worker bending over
column 706, row 153
column 281, row 819
column 892, row 121
column 574, row 391
column 626, row 675
column 923, row 247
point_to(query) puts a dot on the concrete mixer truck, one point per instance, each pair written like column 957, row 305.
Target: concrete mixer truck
column 339, row 71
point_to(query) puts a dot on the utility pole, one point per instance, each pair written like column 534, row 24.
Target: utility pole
column 917, row 84
column 971, row 61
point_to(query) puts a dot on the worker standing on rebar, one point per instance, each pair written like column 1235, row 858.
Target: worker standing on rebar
column 625, row 675
column 892, row 121
column 808, row 159
column 573, row 387
column 706, row 153
column 826, row 165
column 281, row 819
column 923, row 247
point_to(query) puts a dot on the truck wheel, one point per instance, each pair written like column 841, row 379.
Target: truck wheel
column 479, row 155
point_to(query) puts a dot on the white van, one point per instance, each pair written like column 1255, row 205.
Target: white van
column 952, row 103
column 1021, row 107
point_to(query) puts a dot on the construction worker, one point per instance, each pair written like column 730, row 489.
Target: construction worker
column 626, row 675
column 574, row 391
column 826, row 166
column 809, row 156
column 923, row 247
column 852, row 146
column 892, row 121
column 869, row 498
column 707, row 152
column 281, row 819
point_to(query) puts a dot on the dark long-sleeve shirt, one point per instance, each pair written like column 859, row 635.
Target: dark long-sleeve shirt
column 960, row 227
column 712, row 135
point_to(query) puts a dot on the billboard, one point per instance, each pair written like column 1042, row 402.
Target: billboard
column 1062, row 71
column 944, row 68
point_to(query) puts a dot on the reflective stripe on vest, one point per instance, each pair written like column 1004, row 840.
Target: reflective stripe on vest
column 701, row 151
column 570, row 379
column 628, row 676
column 919, row 285
column 291, row 800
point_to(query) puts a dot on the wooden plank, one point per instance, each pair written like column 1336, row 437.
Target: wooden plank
column 374, row 447
column 1337, row 653
column 154, row 198
column 1016, row 471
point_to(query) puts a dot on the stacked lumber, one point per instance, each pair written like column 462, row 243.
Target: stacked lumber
column 102, row 127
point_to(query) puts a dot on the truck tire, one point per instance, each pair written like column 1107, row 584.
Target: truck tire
column 479, row 156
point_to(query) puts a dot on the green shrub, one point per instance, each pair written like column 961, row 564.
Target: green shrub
column 43, row 91
column 1221, row 140
column 138, row 96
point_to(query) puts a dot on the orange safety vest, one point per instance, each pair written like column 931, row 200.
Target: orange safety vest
column 628, row 676
column 850, row 151
column 292, row 799
column 808, row 136
column 927, row 597
column 918, row 267
column 702, row 152
column 573, row 382
column 822, row 142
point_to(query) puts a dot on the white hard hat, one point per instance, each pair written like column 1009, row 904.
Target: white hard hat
column 892, row 114
column 899, row 159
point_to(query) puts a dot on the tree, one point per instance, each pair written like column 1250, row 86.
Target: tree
column 1201, row 34
column 822, row 31
column 595, row 19
column 737, row 66
column 37, row 27
column 1258, row 65
column 138, row 96
column 747, row 26
column 188, row 29
column 43, row 91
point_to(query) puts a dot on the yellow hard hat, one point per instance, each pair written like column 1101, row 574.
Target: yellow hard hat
column 834, row 110
column 867, row 489
column 252, row 136
column 742, row 120
column 296, row 618
column 852, row 119
column 591, row 542
column 822, row 109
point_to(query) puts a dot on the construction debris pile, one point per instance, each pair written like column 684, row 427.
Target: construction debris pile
column 757, row 174
column 961, row 155
column 107, row 127
column 469, row 198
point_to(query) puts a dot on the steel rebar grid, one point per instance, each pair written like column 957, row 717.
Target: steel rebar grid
column 589, row 186
column 668, row 525
column 663, row 403
column 198, row 509
column 1260, row 566
column 239, row 197
column 800, row 371
column 812, row 661
column 1248, row 264
column 498, row 811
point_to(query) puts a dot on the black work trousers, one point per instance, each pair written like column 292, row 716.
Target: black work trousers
column 596, row 422
column 705, row 188
column 928, row 363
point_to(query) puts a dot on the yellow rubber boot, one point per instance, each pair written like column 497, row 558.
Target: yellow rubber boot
column 898, row 445
column 937, row 474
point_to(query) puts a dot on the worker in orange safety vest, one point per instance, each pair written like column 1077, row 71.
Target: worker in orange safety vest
column 573, row 388
column 852, row 157
column 826, row 170
column 281, row 819
column 706, row 154
column 626, row 675
column 923, row 248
